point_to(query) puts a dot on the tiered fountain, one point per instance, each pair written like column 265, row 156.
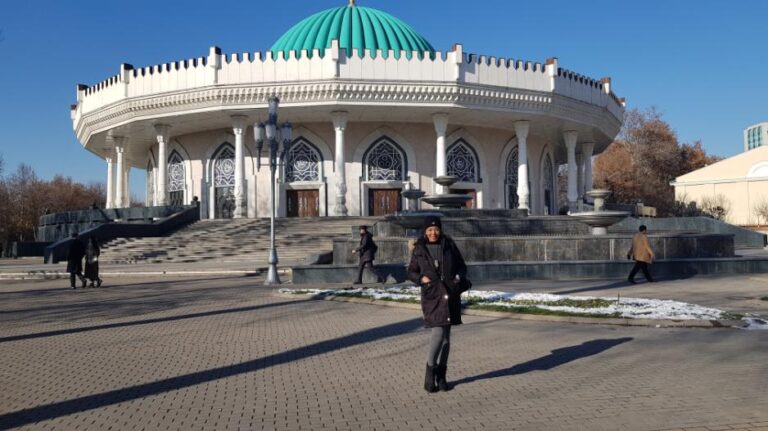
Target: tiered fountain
column 503, row 244
column 599, row 219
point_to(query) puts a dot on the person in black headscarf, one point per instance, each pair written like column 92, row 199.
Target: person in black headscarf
column 92, row 253
column 438, row 267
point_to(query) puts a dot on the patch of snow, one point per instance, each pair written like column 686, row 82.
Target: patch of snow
column 632, row 308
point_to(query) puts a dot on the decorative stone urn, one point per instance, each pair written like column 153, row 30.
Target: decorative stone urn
column 599, row 196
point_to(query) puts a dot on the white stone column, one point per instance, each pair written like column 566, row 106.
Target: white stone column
column 161, row 186
column 570, row 138
column 126, row 184
column 110, row 182
column 340, row 125
column 119, row 199
column 441, row 168
column 587, row 149
column 580, row 177
column 239, row 123
column 523, row 192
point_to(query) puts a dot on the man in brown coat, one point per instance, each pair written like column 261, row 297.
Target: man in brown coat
column 642, row 254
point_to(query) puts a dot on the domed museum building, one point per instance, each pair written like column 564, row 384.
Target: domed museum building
column 375, row 110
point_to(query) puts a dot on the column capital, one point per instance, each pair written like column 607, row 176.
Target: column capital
column 441, row 123
column 522, row 128
column 339, row 119
column 571, row 137
column 162, row 131
column 117, row 141
column 588, row 148
column 239, row 123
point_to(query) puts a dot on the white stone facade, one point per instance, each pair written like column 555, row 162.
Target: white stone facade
column 360, row 124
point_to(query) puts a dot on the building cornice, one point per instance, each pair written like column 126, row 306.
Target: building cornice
column 347, row 92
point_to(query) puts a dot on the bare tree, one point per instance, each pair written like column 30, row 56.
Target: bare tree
column 761, row 211
column 644, row 159
column 717, row 206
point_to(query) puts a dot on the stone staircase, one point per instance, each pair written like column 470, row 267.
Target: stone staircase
column 236, row 240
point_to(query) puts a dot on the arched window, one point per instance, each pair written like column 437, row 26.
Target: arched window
column 511, row 179
column 302, row 163
column 176, row 179
column 462, row 163
column 224, row 182
column 548, row 181
column 385, row 161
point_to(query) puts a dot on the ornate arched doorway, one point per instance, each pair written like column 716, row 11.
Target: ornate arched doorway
column 224, row 182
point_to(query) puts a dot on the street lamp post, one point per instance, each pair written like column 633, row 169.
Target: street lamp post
column 270, row 131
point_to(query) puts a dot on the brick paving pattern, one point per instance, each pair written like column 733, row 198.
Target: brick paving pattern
column 225, row 354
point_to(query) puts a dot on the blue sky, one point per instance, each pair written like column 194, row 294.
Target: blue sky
column 703, row 63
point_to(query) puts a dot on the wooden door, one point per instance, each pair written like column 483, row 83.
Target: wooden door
column 303, row 203
column 473, row 193
column 383, row 202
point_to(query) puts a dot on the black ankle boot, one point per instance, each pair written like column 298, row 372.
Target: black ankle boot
column 442, row 384
column 429, row 380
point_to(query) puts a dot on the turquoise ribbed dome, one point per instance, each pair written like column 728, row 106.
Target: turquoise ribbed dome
column 355, row 27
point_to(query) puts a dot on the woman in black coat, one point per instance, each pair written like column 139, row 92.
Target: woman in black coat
column 92, row 253
column 438, row 267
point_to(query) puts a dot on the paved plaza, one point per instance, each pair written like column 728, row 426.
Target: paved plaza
column 227, row 354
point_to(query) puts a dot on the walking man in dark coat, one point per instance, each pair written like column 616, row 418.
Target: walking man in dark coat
column 366, row 252
column 75, row 261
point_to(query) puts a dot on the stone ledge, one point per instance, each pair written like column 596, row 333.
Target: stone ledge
column 662, row 323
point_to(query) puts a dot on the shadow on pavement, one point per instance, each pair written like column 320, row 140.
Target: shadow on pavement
column 556, row 358
column 622, row 284
column 145, row 321
column 90, row 402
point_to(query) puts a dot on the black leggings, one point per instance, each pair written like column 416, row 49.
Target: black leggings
column 439, row 346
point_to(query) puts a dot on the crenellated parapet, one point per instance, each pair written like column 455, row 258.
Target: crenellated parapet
column 243, row 81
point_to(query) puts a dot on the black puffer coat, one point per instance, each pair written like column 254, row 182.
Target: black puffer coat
column 75, row 256
column 441, row 298
column 367, row 249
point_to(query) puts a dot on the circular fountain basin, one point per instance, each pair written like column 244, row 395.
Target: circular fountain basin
column 600, row 220
column 449, row 200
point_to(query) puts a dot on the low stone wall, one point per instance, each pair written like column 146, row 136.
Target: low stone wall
column 58, row 226
column 574, row 270
column 743, row 238
column 492, row 226
column 548, row 248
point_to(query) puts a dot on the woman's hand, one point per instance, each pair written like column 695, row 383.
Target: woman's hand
column 425, row 279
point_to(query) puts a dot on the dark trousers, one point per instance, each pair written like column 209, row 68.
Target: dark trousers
column 74, row 276
column 640, row 266
column 361, row 267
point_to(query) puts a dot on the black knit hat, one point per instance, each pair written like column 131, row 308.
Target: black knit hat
column 362, row 226
column 432, row 221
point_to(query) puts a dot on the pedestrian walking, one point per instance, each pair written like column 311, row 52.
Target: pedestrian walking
column 642, row 254
column 75, row 261
column 366, row 253
column 438, row 267
column 92, row 253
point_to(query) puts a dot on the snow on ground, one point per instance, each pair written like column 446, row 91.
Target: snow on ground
column 632, row 308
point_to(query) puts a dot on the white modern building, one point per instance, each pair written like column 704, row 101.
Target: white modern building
column 375, row 110
column 755, row 136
